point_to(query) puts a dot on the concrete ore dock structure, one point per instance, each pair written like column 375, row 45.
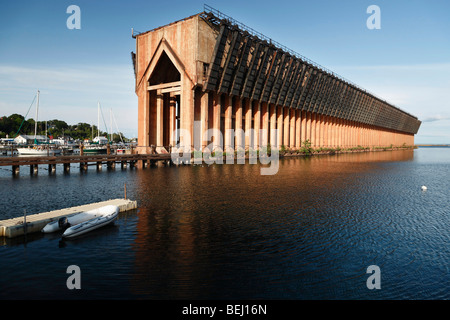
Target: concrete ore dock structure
column 208, row 81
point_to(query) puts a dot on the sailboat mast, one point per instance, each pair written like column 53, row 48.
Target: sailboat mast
column 35, row 122
column 110, row 128
column 98, row 120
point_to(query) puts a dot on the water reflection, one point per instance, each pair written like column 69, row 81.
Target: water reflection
column 227, row 232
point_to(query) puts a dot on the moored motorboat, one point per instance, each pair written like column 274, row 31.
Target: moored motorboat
column 75, row 219
column 109, row 214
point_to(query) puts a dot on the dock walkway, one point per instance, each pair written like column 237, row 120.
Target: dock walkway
column 141, row 160
column 15, row 227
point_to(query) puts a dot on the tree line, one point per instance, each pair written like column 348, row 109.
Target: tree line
column 15, row 124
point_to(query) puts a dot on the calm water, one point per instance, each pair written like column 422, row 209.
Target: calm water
column 226, row 232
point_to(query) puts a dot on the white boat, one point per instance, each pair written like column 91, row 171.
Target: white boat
column 72, row 220
column 109, row 214
column 39, row 151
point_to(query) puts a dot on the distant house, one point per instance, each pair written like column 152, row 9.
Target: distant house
column 29, row 139
column 100, row 140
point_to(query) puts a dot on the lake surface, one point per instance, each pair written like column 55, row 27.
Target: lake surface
column 226, row 232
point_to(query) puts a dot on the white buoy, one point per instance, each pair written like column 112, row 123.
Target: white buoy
column 424, row 188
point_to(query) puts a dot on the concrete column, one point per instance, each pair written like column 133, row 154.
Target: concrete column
column 228, row 108
column 204, row 106
column 304, row 126
column 187, row 116
column 298, row 131
column 332, row 131
column 308, row 127
column 172, row 120
column 318, row 128
column 313, row 130
column 323, row 130
column 280, row 126
column 216, row 120
column 292, row 129
column 240, row 142
column 286, row 122
column 264, row 124
column 273, row 125
column 159, row 118
column 257, row 124
column 248, row 123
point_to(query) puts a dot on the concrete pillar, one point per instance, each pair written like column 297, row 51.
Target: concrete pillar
column 273, row 125
column 159, row 118
column 313, row 130
column 264, row 124
column 308, row 127
column 240, row 138
column 172, row 119
column 187, row 115
column 286, row 122
column 292, row 129
column 228, row 108
column 216, row 120
column 321, row 130
column 280, row 126
column 304, row 126
column 257, row 124
column 298, row 131
column 248, row 123
column 333, row 132
column 204, row 107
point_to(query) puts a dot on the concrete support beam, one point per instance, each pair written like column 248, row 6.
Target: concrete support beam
column 273, row 125
column 280, row 126
column 159, row 118
column 216, row 120
column 239, row 133
column 292, row 128
column 303, row 126
column 228, row 110
column 286, row 123
column 298, row 132
column 264, row 124
column 204, row 106
column 248, row 113
column 257, row 124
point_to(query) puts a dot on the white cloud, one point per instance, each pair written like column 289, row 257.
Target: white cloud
column 71, row 94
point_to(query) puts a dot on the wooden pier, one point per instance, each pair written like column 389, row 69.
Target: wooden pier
column 14, row 227
column 132, row 160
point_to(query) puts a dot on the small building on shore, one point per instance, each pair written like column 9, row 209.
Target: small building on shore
column 30, row 139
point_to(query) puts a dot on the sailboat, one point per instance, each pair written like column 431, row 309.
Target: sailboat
column 38, row 149
column 98, row 145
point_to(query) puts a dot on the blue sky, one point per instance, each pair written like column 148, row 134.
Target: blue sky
column 406, row 62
